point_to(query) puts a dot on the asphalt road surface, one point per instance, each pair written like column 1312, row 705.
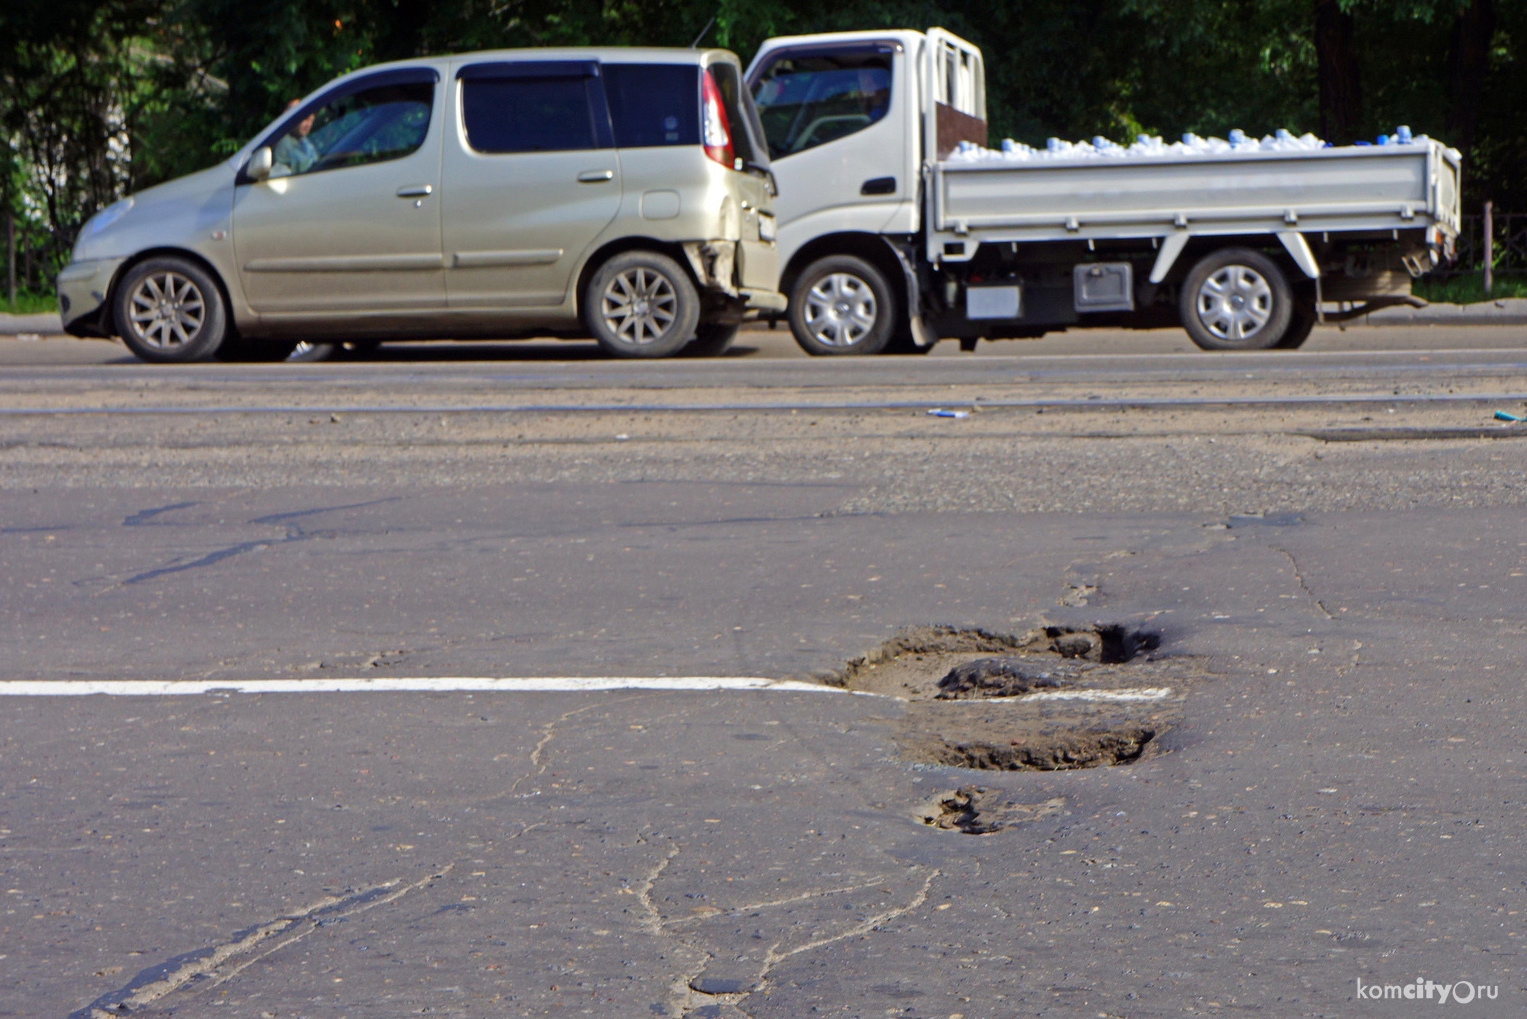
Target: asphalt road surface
column 507, row 681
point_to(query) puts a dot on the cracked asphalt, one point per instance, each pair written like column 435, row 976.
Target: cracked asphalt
column 1336, row 798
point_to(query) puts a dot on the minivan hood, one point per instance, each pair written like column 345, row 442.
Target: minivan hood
column 177, row 213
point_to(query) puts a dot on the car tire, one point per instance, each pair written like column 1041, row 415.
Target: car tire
column 309, row 352
column 902, row 344
column 641, row 304
column 1300, row 328
column 842, row 306
column 314, row 351
column 170, row 311
column 1236, row 299
column 711, row 339
column 255, row 350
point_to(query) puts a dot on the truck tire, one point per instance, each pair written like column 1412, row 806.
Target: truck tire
column 641, row 304
column 1299, row 328
column 170, row 311
column 842, row 306
column 1236, row 299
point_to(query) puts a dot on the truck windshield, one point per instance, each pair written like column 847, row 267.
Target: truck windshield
column 809, row 100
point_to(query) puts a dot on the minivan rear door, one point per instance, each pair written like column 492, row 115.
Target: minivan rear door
column 533, row 179
column 758, row 258
column 349, row 219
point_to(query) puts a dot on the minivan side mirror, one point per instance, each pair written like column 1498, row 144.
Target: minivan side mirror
column 259, row 165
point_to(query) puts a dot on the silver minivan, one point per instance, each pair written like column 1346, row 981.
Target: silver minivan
column 623, row 194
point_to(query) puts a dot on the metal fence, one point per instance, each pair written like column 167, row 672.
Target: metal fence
column 1509, row 234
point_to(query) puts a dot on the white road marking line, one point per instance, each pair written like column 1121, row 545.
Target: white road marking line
column 425, row 684
column 1141, row 693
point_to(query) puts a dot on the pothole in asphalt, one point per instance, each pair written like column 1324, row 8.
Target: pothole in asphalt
column 976, row 810
column 1053, row 698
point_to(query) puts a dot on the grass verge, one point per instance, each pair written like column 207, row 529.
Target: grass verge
column 27, row 303
column 1469, row 289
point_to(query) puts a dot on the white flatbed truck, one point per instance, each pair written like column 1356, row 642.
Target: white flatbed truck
column 892, row 238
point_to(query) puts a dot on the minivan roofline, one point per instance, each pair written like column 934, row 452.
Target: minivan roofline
column 445, row 65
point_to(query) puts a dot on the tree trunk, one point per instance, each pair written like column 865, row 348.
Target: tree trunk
column 1341, row 95
column 10, row 255
column 1468, row 60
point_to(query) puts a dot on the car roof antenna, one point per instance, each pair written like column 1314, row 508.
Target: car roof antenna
column 696, row 44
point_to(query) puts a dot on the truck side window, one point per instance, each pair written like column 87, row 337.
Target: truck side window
column 370, row 125
column 529, row 114
column 808, row 100
column 654, row 104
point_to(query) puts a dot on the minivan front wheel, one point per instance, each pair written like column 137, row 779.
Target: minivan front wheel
column 641, row 304
column 169, row 310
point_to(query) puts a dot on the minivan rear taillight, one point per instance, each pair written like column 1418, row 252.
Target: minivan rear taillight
column 715, row 133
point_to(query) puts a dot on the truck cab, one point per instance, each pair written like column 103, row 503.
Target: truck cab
column 845, row 119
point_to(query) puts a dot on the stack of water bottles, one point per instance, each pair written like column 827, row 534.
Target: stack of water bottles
column 1152, row 146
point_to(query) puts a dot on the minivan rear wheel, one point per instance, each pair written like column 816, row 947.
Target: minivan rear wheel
column 641, row 304
column 170, row 310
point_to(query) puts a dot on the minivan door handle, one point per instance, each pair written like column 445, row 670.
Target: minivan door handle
column 415, row 191
column 595, row 176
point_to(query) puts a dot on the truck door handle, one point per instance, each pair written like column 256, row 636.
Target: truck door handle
column 415, row 191
column 879, row 186
column 595, row 176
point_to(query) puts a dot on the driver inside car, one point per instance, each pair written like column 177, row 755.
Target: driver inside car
column 294, row 153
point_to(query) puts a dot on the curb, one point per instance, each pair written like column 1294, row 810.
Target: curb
column 45, row 324
column 1509, row 311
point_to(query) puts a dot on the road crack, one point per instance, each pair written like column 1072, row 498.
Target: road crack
column 773, row 957
column 209, row 967
column 549, row 733
column 1299, row 578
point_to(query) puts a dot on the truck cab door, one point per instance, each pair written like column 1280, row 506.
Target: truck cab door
column 841, row 131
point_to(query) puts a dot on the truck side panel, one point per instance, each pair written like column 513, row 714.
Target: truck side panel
column 1390, row 187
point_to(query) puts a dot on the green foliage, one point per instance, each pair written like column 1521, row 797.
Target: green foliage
column 102, row 96
column 28, row 303
column 1468, row 288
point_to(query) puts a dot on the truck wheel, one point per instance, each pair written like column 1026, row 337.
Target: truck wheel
column 641, row 304
column 169, row 310
column 1299, row 327
column 711, row 339
column 842, row 305
column 1236, row 299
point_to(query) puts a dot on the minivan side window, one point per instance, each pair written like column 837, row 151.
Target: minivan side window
column 654, row 104
column 806, row 100
column 368, row 125
column 531, row 107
